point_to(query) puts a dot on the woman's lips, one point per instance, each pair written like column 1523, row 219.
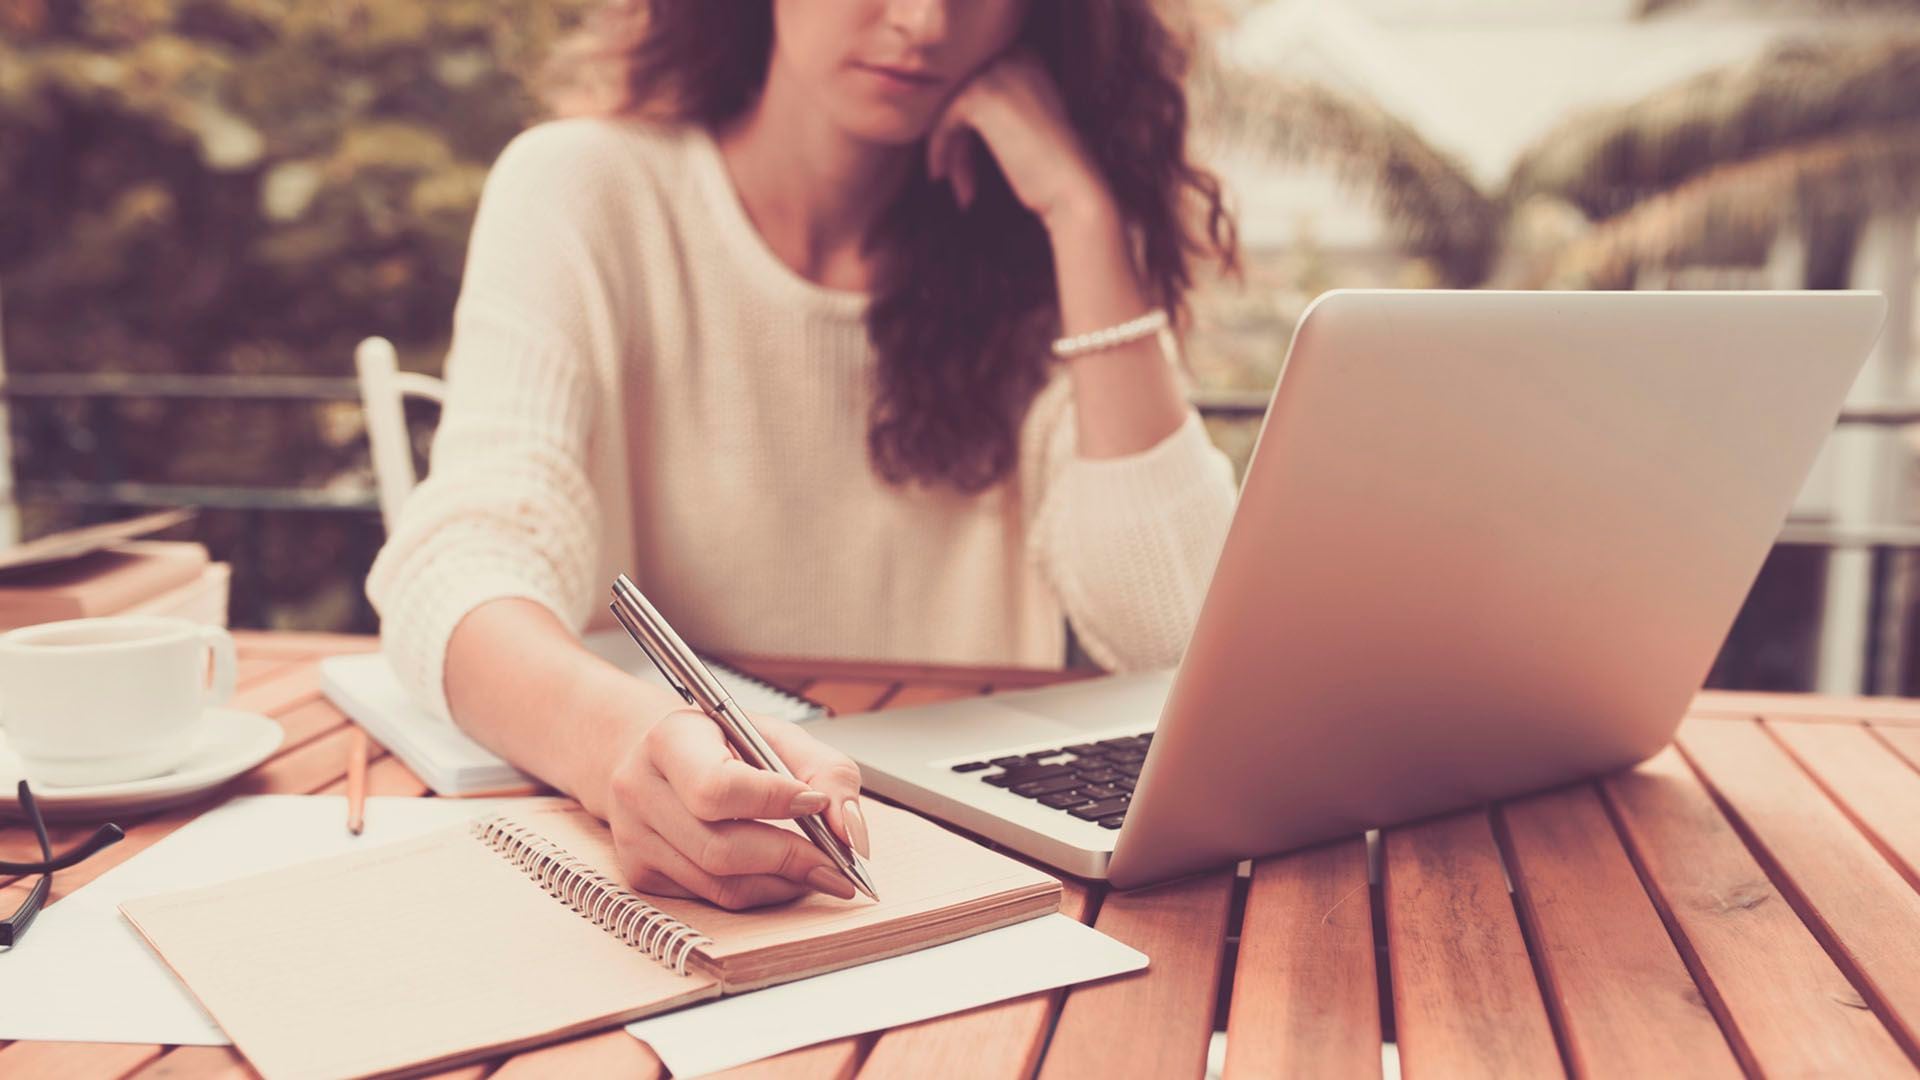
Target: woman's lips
column 898, row 79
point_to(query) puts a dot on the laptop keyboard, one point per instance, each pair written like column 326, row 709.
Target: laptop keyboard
column 1092, row 781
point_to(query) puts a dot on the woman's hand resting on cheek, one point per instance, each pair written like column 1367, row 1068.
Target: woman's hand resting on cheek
column 688, row 817
column 1014, row 108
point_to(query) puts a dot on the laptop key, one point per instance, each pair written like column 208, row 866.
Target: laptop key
column 1098, row 810
column 1009, row 762
column 1112, row 821
column 1025, row 774
column 1064, row 800
column 1084, row 749
column 1125, row 783
column 971, row 766
column 1101, row 791
column 1128, row 768
column 1097, row 774
column 1033, row 789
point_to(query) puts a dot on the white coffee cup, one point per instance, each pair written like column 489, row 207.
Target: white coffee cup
column 104, row 700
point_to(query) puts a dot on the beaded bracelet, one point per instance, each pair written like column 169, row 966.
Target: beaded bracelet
column 1153, row 322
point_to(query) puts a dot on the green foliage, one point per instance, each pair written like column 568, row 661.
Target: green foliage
column 244, row 186
column 241, row 185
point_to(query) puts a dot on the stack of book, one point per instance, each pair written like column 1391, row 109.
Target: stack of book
column 100, row 571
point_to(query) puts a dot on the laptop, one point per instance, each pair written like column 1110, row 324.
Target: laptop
column 1488, row 542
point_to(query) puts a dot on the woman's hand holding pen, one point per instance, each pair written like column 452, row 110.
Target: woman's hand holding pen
column 689, row 818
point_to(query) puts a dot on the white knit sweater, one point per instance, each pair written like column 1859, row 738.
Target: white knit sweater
column 637, row 383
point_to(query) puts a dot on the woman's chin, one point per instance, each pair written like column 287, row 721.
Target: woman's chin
column 885, row 124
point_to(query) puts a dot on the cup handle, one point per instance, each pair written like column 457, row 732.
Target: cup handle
column 225, row 666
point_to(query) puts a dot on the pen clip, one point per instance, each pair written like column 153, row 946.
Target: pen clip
column 626, row 622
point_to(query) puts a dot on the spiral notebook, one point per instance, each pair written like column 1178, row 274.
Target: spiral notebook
column 365, row 687
column 513, row 930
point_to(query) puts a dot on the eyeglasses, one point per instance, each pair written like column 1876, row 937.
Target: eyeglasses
column 14, row 926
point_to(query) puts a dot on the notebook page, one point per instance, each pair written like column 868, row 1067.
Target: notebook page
column 918, row 868
column 429, row 950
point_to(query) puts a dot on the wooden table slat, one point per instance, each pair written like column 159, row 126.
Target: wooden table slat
column 609, row 1053
column 1621, row 998
column 837, row 1059
column 304, row 768
column 845, row 696
column 1854, row 900
column 280, row 692
column 55, row 1060
column 1869, row 781
column 868, row 671
column 1904, row 741
column 1783, row 1004
column 1903, row 711
column 1182, row 927
column 925, row 694
column 1306, row 995
column 1465, row 1000
column 249, row 670
column 999, row 1040
column 302, row 645
column 386, row 775
column 197, row 1063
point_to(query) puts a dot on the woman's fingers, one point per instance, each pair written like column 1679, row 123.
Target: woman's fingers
column 659, row 869
column 690, row 753
column 949, row 154
column 959, row 169
column 723, row 849
column 825, row 770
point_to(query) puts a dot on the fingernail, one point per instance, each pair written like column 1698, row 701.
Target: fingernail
column 857, row 828
column 830, row 881
column 808, row 802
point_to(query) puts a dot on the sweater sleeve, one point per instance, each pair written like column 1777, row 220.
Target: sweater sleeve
column 1128, row 543
column 507, row 509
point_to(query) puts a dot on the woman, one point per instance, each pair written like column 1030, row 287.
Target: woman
column 769, row 330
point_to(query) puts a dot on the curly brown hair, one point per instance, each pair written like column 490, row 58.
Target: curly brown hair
column 961, row 323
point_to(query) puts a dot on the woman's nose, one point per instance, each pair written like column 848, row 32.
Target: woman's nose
column 921, row 22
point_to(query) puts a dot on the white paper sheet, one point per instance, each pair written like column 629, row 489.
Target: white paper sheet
column 82, row 973
column 1038, row 954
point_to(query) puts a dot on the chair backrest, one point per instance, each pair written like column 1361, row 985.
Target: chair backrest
column 384, row 389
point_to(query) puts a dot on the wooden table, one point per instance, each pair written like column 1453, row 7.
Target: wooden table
column 1745, row 901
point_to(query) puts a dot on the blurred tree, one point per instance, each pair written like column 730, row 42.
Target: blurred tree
column 245, row 187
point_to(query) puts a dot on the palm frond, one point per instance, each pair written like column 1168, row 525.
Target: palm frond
column 1606, row 160
column 1424, row 194
column 1743, row 204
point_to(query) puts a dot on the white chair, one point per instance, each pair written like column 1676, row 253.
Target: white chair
column 384, row 389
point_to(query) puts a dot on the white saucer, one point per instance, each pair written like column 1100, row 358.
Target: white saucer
column 231, row 742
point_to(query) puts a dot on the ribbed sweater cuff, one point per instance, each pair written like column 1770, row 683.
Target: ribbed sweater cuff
column 1158, row 476
column 420, row 623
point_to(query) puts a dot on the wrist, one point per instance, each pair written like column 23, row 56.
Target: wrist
column 1087, row 213
column 609, row 712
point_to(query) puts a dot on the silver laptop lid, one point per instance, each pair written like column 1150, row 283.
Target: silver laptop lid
column 1489, row 541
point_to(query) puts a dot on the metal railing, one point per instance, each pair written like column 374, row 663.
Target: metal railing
column 103, row 390
column 106, row 388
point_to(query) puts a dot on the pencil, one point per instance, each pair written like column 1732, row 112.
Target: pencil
column 357, row 780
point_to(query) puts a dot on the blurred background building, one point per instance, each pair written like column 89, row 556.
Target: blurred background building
column 204, row 204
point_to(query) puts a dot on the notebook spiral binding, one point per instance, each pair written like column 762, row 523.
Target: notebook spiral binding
column 597, row 898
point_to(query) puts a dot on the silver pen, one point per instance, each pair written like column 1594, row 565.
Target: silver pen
column 694, row 682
